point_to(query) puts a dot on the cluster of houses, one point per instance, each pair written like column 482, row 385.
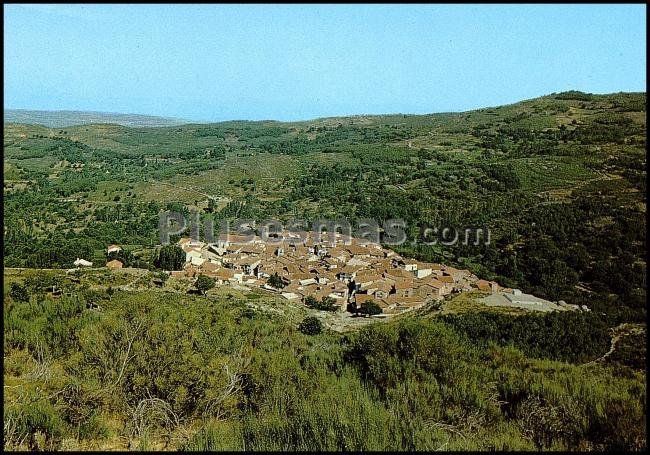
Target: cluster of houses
column 348, row 270
column 351, row 271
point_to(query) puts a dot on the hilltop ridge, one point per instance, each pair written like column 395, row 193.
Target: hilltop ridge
column 69, row 118
column 61, row 119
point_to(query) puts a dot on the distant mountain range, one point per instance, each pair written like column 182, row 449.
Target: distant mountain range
column 60, row 119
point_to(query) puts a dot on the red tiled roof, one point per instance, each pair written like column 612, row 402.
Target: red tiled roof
column 362, row 298
column 114, row 264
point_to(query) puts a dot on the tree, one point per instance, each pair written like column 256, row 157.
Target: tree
column 42, row 281
column 325, row 304
column 19, row 293
column 370, row 308
column 311, row 301
column 310, row 326
column 170, row 257
column 162, row 276
column 557, row 279
column 203, row 283
column 276, row 281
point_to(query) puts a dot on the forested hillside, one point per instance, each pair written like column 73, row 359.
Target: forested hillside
column 558, row 180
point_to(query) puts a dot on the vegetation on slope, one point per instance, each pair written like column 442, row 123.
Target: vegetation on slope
column 559, row 180
column 202, row 373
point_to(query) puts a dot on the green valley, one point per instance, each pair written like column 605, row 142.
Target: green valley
column 103, row 358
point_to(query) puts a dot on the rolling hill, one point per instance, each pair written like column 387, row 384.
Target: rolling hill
column 126, row 358
column 60, row 119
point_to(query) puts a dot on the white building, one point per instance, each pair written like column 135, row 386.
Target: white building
column 422, row 273
column 113, row 249
column 198, row 261
column 82, row 263
column 307, row 281
column 191, row 254
column 290, row 295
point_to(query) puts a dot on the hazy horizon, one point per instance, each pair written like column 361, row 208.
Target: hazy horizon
column 195, row 120
column 213, row 63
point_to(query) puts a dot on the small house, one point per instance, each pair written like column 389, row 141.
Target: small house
column 483, row 285
column 113, row 249
column 114, row 264
column 423, row 273
column 82, row 263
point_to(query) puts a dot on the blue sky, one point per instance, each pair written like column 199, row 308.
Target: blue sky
column 291, row 62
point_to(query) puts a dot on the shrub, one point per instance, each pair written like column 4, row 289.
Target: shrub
column 370, row 308
column 39, row 423
column 204, row 283
column 276, row 281
column 221, row 436
column 311, row 326
column 325, row 304
column 93, row 428
column 162, row 276
column 19, row 293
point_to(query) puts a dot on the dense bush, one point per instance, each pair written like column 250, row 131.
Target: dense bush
column 310, row 326
column 324, row 304
column 370, row 308
column 157, row 367
column 573, row 336
column 204, row 283
column 19, row 293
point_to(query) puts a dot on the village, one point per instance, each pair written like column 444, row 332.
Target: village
column 346, row 271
